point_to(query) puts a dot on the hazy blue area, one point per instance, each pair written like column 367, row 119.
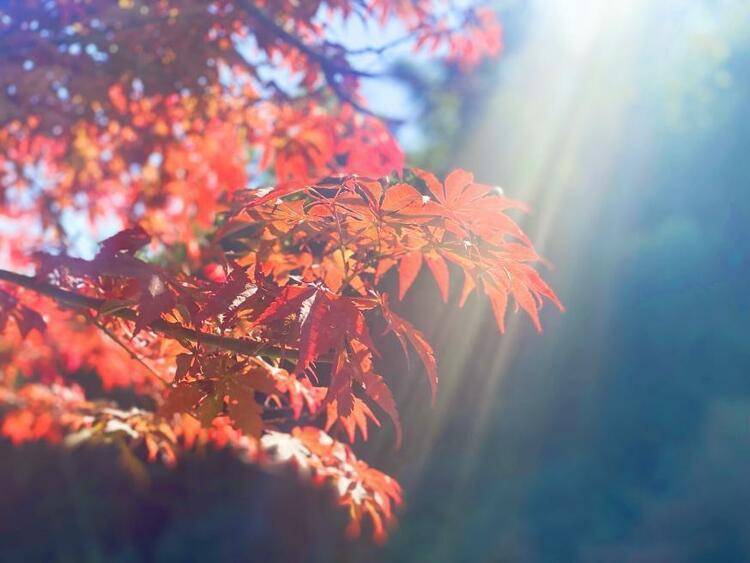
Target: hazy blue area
column 623, row 432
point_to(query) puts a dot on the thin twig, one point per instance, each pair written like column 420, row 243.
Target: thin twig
column 112, row 336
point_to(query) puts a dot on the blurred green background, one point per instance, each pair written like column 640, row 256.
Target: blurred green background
column 622, row 433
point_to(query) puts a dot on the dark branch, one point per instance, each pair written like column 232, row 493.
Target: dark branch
column 242, row 346
column 332, row 69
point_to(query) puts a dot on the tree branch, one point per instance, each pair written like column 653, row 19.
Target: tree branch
column 320, row 58
column 242, row 346
column 331, row 68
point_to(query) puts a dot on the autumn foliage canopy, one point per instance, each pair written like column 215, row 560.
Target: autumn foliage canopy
column 258, row 204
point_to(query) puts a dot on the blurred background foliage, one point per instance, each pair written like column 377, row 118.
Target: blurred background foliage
column 622, row 433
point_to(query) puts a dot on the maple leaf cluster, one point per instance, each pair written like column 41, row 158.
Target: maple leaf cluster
column 241, row 317
column 202, row 113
